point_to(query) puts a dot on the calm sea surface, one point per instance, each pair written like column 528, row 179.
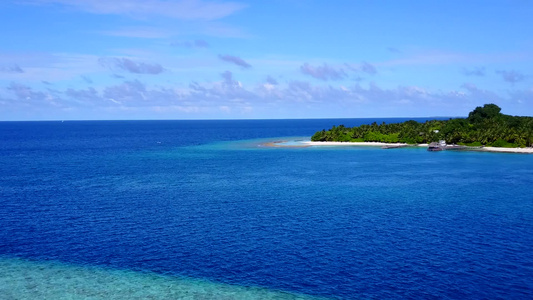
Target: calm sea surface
column 199, row 210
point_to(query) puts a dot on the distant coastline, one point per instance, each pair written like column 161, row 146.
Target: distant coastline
column 304, row 144
column 376, row 144
column 528, row 150
column 484, row 128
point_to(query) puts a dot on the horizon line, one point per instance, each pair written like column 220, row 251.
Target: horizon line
column 243, row 119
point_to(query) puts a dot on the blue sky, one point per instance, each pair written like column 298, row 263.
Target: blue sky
column 203, row 59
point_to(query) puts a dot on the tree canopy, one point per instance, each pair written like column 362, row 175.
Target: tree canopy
column 484, row 125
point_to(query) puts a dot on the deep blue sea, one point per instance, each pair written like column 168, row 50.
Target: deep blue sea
column 200, row 210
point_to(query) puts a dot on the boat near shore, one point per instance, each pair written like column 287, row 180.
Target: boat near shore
column 441, row 145
column 435, row 147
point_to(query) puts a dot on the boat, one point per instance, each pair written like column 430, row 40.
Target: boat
column 435, row 147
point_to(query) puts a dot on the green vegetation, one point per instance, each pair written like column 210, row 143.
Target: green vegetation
column 484, row 126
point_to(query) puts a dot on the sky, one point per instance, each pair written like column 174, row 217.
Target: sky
column 275, row 59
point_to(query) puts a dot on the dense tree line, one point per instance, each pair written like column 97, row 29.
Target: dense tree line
column 483, row 126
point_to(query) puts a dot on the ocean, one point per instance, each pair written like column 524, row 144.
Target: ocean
column 203, row 210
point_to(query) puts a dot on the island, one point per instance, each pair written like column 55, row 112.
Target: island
column 485, row 127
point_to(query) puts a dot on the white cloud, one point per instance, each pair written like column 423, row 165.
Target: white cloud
column 139, row 32
column 324, row 72
column 233, row 98
column 511, row 76
column 191, row 44
column 228, row 89
column 478, row 71
column 368, row 68
column 430, row 57
column 90, row 96
column 181, row 9
column 11, row 68
column 52, row 67
column 24, row 96
column 363, row 67
column 235, row 60
column 128, row 65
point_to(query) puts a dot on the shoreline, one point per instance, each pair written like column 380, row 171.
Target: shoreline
column 375, row 144
column 528, row 150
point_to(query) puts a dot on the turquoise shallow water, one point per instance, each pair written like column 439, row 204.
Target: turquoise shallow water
column 23, row 279
column 202, row 203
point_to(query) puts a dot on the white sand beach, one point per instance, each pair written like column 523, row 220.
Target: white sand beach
column 528, row 150
column 376, row 144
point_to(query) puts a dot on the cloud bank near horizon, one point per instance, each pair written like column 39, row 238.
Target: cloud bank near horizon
column 249, row 100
